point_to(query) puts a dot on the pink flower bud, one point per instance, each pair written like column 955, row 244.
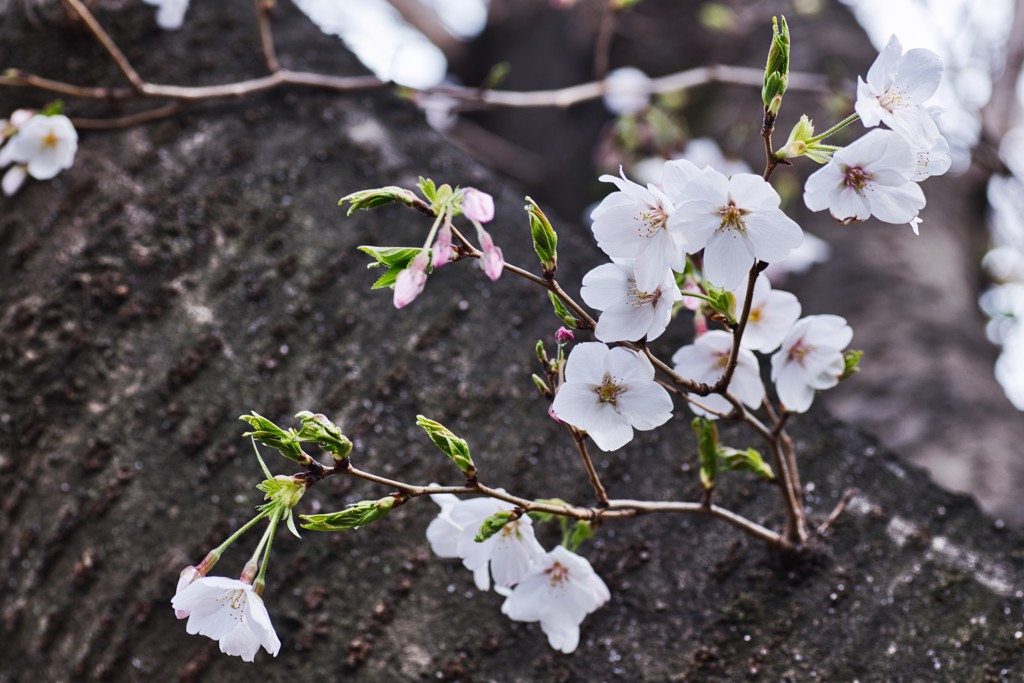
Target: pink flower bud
column 477, row 206
column 692, row 303
column 20, row 117
column 411, row 281
column 563, row 336
column 188, row 575
column 443, row 247
column 553, row 414
column 492, row 261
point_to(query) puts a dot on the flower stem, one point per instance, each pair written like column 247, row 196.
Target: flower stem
column 835, row 129
column 234, row 537
column 269, row 538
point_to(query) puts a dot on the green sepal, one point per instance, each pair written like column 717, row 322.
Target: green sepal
column 494, row 524
column 562, row 312
column 578, row 534
column 317, row 428
column 394, row 259
column 722, row 301
column 732, row 459
column 54, row 108
column 707, row 450
column 287, row 443
column 451, row 445
column 353, row 517
column 378, row 196
column 851, row 359
column 282, row 491
column 545, row 239
column 541, row 515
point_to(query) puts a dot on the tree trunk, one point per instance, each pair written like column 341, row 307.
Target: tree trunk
column 188, row 271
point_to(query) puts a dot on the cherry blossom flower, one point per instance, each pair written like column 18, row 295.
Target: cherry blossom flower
column 896, row 89
column 477, row 206
column 870, row 177
column 627, row 91
column 772, row 314
column 44, row 145
column 634, row 223
column 506, row 555
column 410, row 282
column 171, row 13
column 932, row 160
column 705, row 361
column 629, row 313
column 811, row 359
column 559, row 591
column 609, row 393
column 188, row 576
column 229, row 611
column 736, row 221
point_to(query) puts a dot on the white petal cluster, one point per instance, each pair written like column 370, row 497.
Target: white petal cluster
column 737, row 221
column 507, row 554
column 629, row 313
column 610, row 392
column 633, row 223
column 811, row 359
column 896, row 89
column 42, row 147
column 559, row 591
column 873, row 176
column 772, row 314
column 228, row 611
column 705, row 361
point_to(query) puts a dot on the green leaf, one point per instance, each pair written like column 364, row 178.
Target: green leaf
column 451, row 445
column 53, row 108
column 282, row 490
column 378, row 196
column 496, row 76
column 707, row 450
column 722, row 301
column 395, row 259
column 428, row 189
column 745, row 461
column 562, row 312
column 494, row 524
column 318, row 429
column 541, row 515
column 353, row 517
column 287, row 443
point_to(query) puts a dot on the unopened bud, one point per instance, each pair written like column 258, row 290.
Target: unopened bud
column 545, row 240
column 379, row 196
column 563, row 336
column 317, row 428
column 776, row 72
column 451, row 445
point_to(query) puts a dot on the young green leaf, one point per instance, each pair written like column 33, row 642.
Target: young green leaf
column 745, row 461
column 494, row 524
column 354, row 516
column 562, row 312
column 451, row 445
column 707, row 449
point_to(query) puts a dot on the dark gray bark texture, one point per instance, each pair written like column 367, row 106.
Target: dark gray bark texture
column 187, row 271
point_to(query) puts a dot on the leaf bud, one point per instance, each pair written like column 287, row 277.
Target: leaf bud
column 545, row 240
column 451, row 445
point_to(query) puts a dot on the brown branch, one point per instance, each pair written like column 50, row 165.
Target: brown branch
column 734, row 356
column 130, row 120
column 18, row 78
column 603, row 44
column 107, row 42
column 581, row 445
column 263, row 8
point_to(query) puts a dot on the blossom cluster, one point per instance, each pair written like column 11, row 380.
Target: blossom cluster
column 557, row 588
column 878, row 174
column 36, row 145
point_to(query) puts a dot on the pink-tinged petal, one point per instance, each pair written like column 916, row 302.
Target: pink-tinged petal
column 918, row 75
column 586, row 363
column 897, row 204
column 867, row 106
column 13, row 179
column 612, row 436
column 773, row 234
column 849, row 205
column 646, row 405
column 574, row 402
column 477, row 206
column 728, row 257
column 628, row 366
column 493, row 262
column 794, row 393
column 240, row 642
column 259, row 622
column 442, row 249
column 753, row 193
column 883, row 69
column 624, row 322
column 410, row 282
column 820, row 184
column 606, row 285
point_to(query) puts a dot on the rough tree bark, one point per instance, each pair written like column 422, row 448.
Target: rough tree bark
column 187, row 271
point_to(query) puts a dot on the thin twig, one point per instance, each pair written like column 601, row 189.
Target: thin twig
column 263, row 8
column 130, row 120
column 734, row 356
column 108, row 44
column 595, row 481
column 848, row 495
column 603, row 44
